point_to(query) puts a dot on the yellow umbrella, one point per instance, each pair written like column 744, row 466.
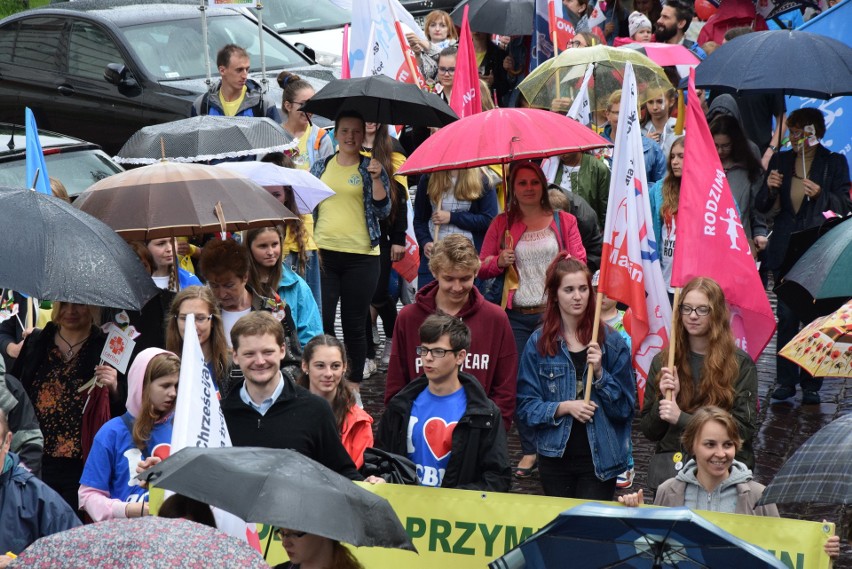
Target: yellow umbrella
column 560, row 77
column 824, row 347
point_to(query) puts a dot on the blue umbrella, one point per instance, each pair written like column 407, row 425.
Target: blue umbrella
column 782, row 61
column 600, row 536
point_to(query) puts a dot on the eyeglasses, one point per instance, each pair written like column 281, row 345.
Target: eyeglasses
column 291, row 534
column 702, row 310
column 724, row 146
column 447, row 70
column 198, row 317
column 437, row 353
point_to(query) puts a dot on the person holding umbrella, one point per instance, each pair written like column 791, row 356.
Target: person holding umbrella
column 348, row 234
column 804, row 182
column 311, row 551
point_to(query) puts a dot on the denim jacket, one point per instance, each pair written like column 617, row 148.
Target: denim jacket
column 375, row 210
column 545, row 381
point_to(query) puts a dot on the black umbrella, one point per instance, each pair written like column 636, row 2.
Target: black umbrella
column 381, row 99
column 504, row 17
column 54, row 251
column 781, row 61
column 282, row 488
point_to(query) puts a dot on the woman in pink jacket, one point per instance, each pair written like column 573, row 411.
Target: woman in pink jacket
column 519, row 246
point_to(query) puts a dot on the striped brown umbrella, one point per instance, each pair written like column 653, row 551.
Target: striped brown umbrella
column 179, row 200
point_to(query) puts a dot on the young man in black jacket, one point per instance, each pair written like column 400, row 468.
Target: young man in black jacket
column 269, row 410
column 443, row 421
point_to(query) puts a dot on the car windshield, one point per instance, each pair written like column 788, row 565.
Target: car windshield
column 303, row 15
column 77, row 170
column 172, row 49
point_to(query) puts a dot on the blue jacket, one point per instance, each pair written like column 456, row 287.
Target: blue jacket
column 655, row 160
column 375, row 210
column 655, row 196
column 296, row 293
column 29, row 509
column 545, row 381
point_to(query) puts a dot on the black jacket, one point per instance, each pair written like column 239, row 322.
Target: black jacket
column 479, row 459
column 11, row 331
column 298, row 420
column 27, row 440
column 590, row 231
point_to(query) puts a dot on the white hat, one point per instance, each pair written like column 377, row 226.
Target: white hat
column 638, row 21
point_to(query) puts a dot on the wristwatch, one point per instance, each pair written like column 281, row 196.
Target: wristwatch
column 773, row 148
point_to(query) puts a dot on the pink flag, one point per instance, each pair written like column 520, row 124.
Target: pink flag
column 344, row 63
column 710, row 240
column 630, row 265
column 466, row 99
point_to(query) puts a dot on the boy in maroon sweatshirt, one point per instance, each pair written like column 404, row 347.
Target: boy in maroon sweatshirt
column 492, row 358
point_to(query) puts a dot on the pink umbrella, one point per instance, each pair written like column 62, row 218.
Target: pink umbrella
column 664, row 54
column 501, row 136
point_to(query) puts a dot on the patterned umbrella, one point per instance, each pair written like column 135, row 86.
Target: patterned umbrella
column 824, row 347
column 140, row 543
column 818, row 471
column 204, row 138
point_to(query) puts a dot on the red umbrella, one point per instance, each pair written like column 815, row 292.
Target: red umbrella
column 501, row 136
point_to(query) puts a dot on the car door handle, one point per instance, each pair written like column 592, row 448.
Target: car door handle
column 65, row 90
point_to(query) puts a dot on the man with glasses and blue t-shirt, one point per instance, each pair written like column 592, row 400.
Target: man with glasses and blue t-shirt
column 443, row 421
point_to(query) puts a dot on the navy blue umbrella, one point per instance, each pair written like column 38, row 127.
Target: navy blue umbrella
column 600, row 536
column 781, row 61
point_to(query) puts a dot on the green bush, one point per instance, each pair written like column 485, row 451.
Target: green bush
column 9, row 7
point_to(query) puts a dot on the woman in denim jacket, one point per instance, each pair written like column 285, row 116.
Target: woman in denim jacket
column 582, row 447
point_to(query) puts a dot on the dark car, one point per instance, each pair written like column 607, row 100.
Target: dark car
column 57, row 60
column 76, row 163
column 420, row 8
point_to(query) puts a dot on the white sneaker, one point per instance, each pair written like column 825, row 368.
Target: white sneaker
column 369, row 368
column 625, row 479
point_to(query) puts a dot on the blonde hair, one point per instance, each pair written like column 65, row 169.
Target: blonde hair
column 58, row 190
column 468, row 186
column 94, row 312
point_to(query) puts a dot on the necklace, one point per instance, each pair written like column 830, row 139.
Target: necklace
column 70, row 353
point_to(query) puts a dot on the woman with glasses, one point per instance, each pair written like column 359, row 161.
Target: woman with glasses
column 582, row 447
column 446, row 72
column 310, row 551
column 314, row 142
column 709, row 369
column 802, row 183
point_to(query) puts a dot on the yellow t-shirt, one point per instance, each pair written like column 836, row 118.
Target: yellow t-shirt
column 289, row 245
column 342, row 224
column 301, row 160
column 230, row 108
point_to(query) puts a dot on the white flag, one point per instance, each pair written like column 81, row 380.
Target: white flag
column 630, row 264
column 581, row 108
column 383, row 51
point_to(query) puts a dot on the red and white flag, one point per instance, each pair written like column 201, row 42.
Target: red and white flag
column 630, row 265
column 711, row 241
column 377, row 44
column 465, row 99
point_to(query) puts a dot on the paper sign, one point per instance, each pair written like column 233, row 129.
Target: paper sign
column 8, row 311
column 117, row 349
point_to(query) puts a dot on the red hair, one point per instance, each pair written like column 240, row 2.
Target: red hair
column 551, row 327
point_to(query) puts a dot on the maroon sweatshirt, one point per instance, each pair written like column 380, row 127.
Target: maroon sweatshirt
column 492, row 358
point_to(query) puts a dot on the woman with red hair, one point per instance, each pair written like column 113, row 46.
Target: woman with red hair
column 582, row 447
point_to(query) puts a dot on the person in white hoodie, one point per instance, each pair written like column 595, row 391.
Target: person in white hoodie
column 713, row 480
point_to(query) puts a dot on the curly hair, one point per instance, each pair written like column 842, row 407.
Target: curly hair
column 343, row 399
column 720, row 368
column 160, row 365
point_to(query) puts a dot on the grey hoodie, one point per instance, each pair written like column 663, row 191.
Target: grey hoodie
column 725, row 104
column 723, row 498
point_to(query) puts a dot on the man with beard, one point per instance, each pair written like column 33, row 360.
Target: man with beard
column 672, row 25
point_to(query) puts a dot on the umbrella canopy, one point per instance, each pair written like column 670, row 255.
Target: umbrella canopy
column 561, row 77
column 283, row 488
column 379, row 98
column 818, row 471
column 667, row 54
column 780, row 61
column 308, row 190
column 821, row 280
column 57, row 252
column 824, row 347
column 140, row 543
column 203, row 138
column 172, row 200
column 504, row 17
column 501, row 136
column 599, row 536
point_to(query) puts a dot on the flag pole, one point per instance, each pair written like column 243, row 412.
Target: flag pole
column 595, row 328
column 673, row 340
column 406, row 49
column 554, row 37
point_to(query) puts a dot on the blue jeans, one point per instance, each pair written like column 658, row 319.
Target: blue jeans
column 523, row 325
column 311, row 275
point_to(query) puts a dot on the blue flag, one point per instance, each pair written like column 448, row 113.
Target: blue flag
column 35, row 157
column 833, row 23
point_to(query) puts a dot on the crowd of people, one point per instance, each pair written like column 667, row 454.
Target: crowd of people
column 498, row 335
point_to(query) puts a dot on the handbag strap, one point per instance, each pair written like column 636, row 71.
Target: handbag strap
column 558, row 230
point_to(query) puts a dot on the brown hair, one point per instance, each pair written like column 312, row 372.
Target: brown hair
column 58, row 190
column 160, row 365
column 257, row 323
column 513, row 209
column 440, row 324
column 270, row 287
column 224, row 256
column 720, row 368
column 94, row 312
column 671, row 186
column 343, row 399
column 220, row 356
column 800, row 118
column 291, row 84
column 224, row 55
column 179, row 506
column 702, row 416
column 455, row 251
column 383, row 152
column 145, row 256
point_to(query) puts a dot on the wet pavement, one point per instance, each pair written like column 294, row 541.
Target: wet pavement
column 783, row 428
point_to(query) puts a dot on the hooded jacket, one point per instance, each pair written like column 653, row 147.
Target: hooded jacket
column 27, row 440
column 738, row 494
column 29, row 508
column 479, row 458
column 492, row 358
column 255, row 103
column 298, row 296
